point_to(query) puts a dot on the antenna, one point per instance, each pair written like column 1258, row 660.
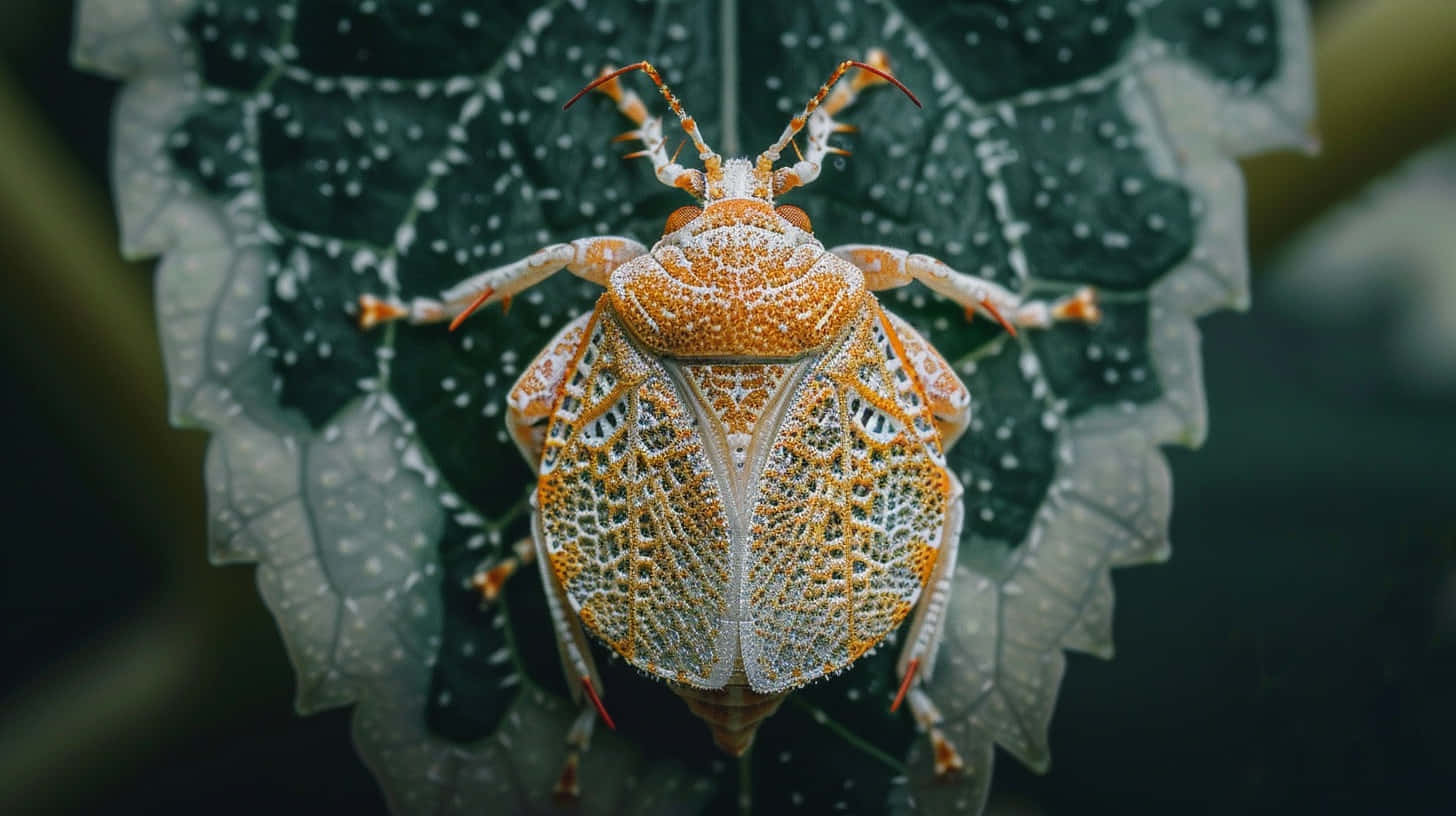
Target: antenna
column 800, row 119
column 689, row 125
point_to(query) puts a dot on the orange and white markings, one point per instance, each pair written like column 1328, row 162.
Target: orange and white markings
column 593, row 259
column 950, row 402
column 1080, row 306
column 374, row 310
column 534, row 395
column 631, row 518
column 649, row 131
column 737, row 397
column 490, row 579
column 845, row 94
column 821, row 124
column 748, row 286
column 634, row 516
column 846, row 528
column 948, row 762
column 887, row 267
column 742, row 484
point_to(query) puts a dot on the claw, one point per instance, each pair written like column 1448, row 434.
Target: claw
column 1081, row 306
column 568, row 787
column 948, row 760
column 373, row 311
column 490, row 582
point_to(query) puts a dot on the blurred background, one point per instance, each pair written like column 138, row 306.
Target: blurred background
column 1298, row 652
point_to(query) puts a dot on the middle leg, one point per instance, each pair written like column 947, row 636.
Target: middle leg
column 887, row 268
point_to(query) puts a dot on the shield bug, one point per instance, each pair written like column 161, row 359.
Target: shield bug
column 742, row 484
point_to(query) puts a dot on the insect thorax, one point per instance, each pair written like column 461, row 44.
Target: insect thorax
column 738, row 282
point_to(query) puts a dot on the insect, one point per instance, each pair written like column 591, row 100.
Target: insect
column 740, row 453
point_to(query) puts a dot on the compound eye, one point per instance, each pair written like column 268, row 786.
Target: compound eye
column 795, row 216
column 680, row 218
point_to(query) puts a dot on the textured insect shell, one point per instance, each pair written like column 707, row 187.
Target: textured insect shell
column 740, row 477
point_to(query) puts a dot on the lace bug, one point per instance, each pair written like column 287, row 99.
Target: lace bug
column 740, row 452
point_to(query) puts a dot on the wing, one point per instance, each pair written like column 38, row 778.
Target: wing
column 632, row 516
column 848, row 517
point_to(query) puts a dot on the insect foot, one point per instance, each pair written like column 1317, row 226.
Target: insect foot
column 567, row 789
column 490, row 578
column 1080, row 306
column 948, row 762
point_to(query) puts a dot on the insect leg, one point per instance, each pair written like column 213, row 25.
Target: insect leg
column 922, row 640
column 528, row 406
column 950, row 402
column 590, row 258
column 887, row 268
column 948, row 760
column 917, row 660
column 578, row 739
column 576, row 658
column 490, row 578
column 577, row 663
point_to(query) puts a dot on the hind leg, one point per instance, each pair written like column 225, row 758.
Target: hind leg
column 917, row 659
column 529, row 407
column 576, row 662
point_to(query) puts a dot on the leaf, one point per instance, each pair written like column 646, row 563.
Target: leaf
column 287, row 156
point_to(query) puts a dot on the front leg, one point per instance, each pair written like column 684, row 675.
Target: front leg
column 591, row 258
column 887, row 268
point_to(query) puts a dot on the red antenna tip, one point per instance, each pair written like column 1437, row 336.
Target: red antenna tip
column 605, row 78
column 885, row 75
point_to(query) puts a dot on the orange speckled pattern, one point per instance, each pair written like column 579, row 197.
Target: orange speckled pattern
column 950, row 402
column 742, row 282
column 737, row 394
column 846, row 526
column 631, row 517
column 534, row 395
column 681, row 574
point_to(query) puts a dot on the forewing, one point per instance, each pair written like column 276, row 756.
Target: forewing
column 847, row 520
column 632, row 517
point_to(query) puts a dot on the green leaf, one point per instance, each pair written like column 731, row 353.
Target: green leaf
column 289, row 156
